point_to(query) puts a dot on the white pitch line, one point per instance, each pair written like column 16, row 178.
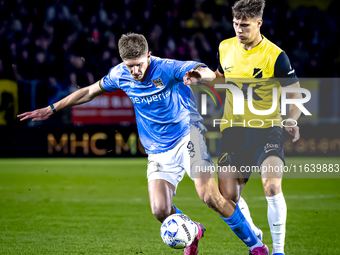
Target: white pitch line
column 288, row 197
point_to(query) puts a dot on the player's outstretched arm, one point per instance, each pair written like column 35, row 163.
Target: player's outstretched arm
column 294, row 114
column 201, row 74
column 80, row 96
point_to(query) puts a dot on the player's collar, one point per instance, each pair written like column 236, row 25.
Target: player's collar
column 254, row 48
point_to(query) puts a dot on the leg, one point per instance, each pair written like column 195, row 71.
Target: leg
column 160, row 194
column 271, row 179
column 197, row 165
column 208, row 192
column 231, row 186
column 230, row 212
column 277, row 208
column 245, row 210
column 231, row 181
column 163, row 174
column 163, row 177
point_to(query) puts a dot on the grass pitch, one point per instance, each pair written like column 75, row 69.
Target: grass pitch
column 101, row 206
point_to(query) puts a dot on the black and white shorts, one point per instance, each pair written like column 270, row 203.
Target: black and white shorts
column 246, row 148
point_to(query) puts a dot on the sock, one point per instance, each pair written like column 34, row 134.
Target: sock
column 177, row 210
column 245, row 211
column 240, row 226
column 277, row 214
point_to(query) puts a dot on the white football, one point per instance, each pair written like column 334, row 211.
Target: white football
column 178, row 231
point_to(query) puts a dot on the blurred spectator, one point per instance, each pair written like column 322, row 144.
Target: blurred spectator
column 40, row 65
column 56, row 90
column 155, row 39
column 25, row 65
column 77, row 65
column 57, row 12
column 301, row 55
column 73, row 84
column 104, row 64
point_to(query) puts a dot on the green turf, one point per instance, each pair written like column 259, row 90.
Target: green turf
column 101, row 206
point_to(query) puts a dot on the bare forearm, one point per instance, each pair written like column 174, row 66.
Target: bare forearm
column 80, row 96
column 294, row 112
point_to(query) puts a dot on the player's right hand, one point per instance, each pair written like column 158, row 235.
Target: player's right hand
column 37, row 115
column 191, row 77
column 294, row 131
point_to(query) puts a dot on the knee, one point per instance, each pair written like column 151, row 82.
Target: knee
column 230, row 195
column 271, row 188
column 231, row 188
column 160, row 212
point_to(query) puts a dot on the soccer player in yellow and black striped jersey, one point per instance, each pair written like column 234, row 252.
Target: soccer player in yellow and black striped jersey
column 251, row 60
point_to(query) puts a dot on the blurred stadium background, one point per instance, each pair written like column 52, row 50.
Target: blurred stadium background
column 50, row 48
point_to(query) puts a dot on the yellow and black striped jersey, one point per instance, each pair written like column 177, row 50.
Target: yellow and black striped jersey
column 258, row 68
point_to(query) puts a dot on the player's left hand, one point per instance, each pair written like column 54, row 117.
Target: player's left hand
column 293, row 130
column 191, row 77
column 36, row 115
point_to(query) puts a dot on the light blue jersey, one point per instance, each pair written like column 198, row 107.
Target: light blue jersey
column 164, row 106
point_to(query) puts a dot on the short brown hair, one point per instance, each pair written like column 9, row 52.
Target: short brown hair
column 132, row 46
column 243, row 9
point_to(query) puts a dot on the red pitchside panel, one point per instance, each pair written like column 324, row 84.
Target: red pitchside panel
column 109, row 108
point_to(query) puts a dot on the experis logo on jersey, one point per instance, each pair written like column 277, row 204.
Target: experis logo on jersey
column 239, row 96
column 149, row 99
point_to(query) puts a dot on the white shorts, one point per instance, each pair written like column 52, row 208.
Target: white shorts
column 171, row 165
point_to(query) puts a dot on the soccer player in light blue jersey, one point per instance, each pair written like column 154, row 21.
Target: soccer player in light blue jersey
column 170, row 130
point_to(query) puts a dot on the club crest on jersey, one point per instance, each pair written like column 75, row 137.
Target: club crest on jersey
column 158, row 83
column 131, row 84
column 257, row 73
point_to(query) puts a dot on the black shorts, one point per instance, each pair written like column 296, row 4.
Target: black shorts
column 245, row 148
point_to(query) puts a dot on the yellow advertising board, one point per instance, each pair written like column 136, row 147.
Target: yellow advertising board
column 8, row 101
